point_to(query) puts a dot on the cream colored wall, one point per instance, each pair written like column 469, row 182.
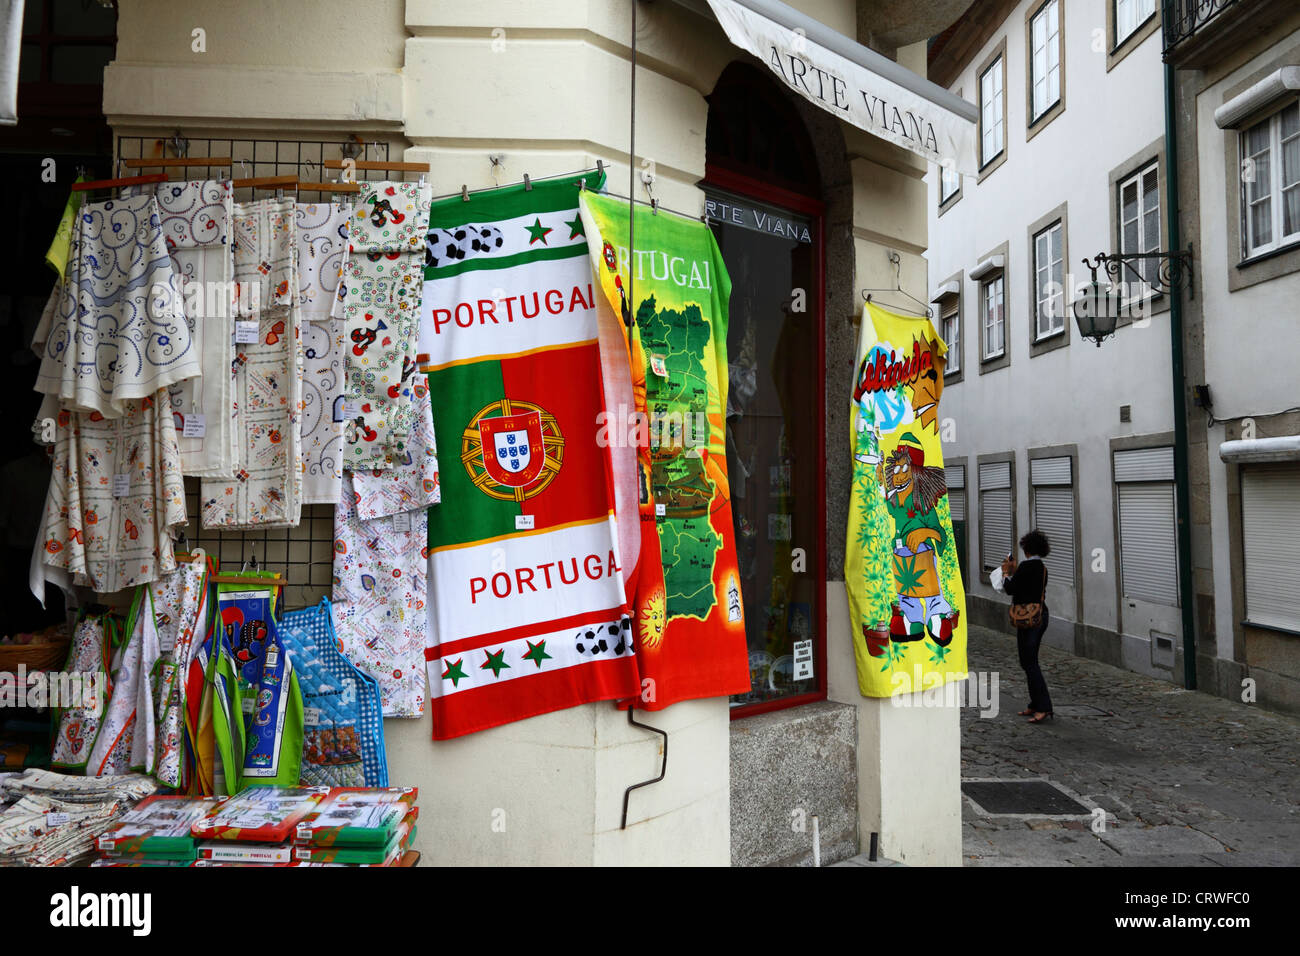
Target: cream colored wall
column 549, row 93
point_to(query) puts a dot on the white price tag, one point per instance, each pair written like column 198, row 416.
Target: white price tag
column 196, row 426
column 402, row 521
column 803, row 660
column 55, row 819
column 351, row 409
column 311, row 716
column 245, row 331
column 525, row 522
column 660, row 510
column 121, row 486
column 658, row 366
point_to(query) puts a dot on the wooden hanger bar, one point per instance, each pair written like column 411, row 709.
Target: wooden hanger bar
column 329, row 187
column 265, row 182
column 115, row 183
column 178, row 161
column 380, row 166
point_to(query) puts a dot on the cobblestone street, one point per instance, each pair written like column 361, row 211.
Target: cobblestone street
column 1187, row 779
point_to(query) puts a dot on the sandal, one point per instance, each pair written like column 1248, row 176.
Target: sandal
column 1041, row 717
column 1027, row 713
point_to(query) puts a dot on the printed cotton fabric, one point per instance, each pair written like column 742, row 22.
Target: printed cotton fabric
column 196, row 227
column 179, row 609
column 266, row 487
column 115, row 330
column 383, row 283
column 380, row 565
column 116, row 498
column 906, row 598
column 79, row 726
column 322, row 249
column 126, row 737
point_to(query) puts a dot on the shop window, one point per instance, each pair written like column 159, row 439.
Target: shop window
column 1049, row 281
column 1044, row 60
column 1051, row 482
column 1148, row 546
column 1270, row 182
column 993, row 317
column 1270, row 534
column 992, row 111
column 1131, row 14
column 997, row 514
column 759, row 200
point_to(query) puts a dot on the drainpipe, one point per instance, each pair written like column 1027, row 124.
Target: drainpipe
column 1182, row 482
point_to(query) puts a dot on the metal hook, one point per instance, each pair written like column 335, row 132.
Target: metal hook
column 654, row 206
column 464, row 192
column 179, row 144
column 528, row 183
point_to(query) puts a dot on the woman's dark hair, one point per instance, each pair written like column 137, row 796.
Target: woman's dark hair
column 1035, row 544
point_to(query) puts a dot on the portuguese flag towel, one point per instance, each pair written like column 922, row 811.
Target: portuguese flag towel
column 527, row 606
column 690, row 629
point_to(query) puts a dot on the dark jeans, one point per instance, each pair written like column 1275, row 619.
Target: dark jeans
column 1028, row 640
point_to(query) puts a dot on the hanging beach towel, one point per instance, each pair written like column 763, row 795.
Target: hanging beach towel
column 347, row 698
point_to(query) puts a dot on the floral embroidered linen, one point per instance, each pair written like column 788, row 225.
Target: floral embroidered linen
column 322, row 247
column 126, row 736
column 196, row 228
column 115, row 330
column 116, row 498
column 380, row 568
column 266, row 487
column 383, row 284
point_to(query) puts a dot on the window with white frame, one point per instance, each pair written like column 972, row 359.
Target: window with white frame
column 949, row 183
column 950, row 328
column 992, row 108
column 1148, row 546
column 1045, row 59
column 1129, row 15
column 1270, row 182
column 1049, row 280
column 1139, row 223
column 993, row 317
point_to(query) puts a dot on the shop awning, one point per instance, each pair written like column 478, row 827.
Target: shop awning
column 854, row 83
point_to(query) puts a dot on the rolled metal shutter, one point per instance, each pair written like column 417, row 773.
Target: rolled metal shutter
column 955, row 477
column 1148, row 547
column 996, row 511
column 1051, row 471
column 1054, row 517
column 1270, row 531
column 1145, row 464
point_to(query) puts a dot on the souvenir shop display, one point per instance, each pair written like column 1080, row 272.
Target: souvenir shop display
column 350, row 816
column 380, row 566
column 114, row 331
column 527, row 611
column 158, row 828
column 689, row 618
column 343, row 726
column 322, row 230
column 381, row 288
column 259, row 814
column 196, row 220
column 264, row 488
column 55, row 818
column 77, row 727
column 906, row 600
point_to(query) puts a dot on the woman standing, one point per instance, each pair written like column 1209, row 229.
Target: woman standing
column 1026, row 582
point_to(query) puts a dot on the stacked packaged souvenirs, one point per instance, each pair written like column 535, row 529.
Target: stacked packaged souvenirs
column 358, row 826
column 54, row 818
column 156, row 833
column 255, row 826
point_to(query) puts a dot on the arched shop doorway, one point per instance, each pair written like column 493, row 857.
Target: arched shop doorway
column 762, row 191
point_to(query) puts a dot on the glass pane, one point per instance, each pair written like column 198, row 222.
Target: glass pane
column 33, row 15
column 1151, row 232
column 1058, row 238
column 75, row 18
column 1291, row 162
column 773, row 458
column 1261, row 183
column 1257, row 138
column 1290, row 120
column 29, row 63
column 1261, row 223
column 1291, row 211
column 79, row 64
column 1150, row 190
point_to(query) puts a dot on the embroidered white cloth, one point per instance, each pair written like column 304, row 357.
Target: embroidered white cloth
column 266, row 487
column 126, row 736
column 115, row 331
column 116, row 498
column 380, row 565
column 196, row 228
column 322, row 247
